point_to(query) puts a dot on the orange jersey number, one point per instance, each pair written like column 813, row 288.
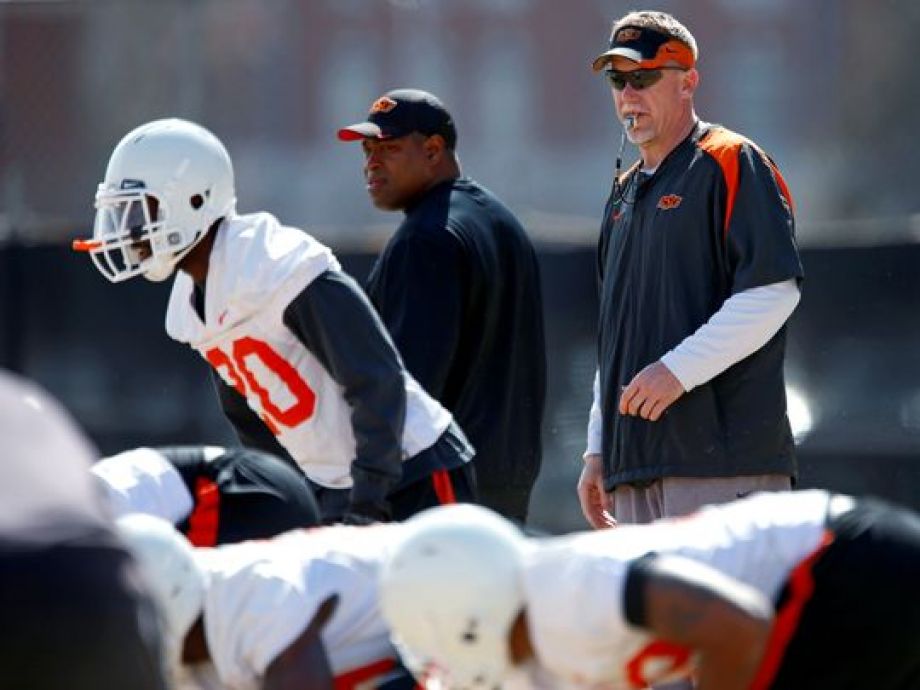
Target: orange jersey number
column 233, row 366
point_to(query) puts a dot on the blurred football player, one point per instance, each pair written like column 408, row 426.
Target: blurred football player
column 213, row 495
column 75, row 613
column 781, row 590
column 296, row 611
column 305, row 367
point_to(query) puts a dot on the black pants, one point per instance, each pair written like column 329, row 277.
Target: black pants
column 75, row 617
column 426, row 481
column 243, row 494
column 439, row 488
column 860, row 627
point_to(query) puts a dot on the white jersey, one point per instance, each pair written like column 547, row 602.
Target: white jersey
column 257, row 267
column 261, row 596
column 144, row 481
column 575, row 585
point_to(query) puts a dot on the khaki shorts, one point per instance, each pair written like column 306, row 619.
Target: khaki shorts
column 676, row 496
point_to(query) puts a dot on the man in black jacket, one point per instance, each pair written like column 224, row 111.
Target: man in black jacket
column 458, row 287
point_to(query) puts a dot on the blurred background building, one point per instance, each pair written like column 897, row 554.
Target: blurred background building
column 827, row 87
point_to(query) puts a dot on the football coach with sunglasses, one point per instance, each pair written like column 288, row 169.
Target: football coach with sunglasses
column 698, row 271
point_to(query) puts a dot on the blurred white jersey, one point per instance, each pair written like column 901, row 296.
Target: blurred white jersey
column 261, row 596
column 257, row 267
column 144, row 481
column 575, row 585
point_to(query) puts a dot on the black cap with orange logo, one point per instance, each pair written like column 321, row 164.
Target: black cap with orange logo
column 401, row 112
column 648, row 48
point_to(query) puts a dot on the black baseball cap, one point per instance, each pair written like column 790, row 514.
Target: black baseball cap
column 648, row 48
column 401, row 112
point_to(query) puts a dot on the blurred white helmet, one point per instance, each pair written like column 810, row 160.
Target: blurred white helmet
column 166, row 183
column 450, row 591
column 167, row 563
column 44, row 461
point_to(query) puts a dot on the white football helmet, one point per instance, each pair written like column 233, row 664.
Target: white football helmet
column 166, row 183
column 450, row 591
column 168, row 566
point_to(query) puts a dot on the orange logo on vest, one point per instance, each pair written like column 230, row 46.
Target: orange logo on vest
column 669, row 201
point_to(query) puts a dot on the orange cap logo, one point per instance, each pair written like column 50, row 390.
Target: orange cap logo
column 669, row 201
column 383, row 105
column 628, row 33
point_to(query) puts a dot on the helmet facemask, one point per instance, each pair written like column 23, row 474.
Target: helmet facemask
column 131, row 236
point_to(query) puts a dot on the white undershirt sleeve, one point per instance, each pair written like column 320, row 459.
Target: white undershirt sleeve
column 743, row 325
column 595, row 419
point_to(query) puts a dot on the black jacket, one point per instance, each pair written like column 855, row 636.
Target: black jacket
column 458, row 287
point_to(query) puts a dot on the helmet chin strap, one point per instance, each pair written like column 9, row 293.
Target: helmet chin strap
column 162, row 267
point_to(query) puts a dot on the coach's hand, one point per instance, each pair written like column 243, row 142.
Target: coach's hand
column 596, row 504
column 650, row 393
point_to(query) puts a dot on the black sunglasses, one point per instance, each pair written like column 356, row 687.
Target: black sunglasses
column 638, row 79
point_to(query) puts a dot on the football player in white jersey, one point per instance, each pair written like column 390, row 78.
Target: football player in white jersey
column 802, row 589
column 304, row 366
column 213, row 495
column 296, row 611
